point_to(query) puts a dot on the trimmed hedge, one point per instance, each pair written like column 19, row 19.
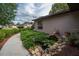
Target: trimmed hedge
column 31, row 38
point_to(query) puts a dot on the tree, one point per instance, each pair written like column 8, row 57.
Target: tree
column 59, row 7
column 7, row 13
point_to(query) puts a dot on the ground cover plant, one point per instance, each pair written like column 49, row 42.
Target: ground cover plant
column 31, row 38
column 4, row 33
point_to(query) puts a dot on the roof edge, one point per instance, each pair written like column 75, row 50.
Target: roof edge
column 59, row 13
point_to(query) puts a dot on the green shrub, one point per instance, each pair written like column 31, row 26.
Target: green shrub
column 2, row 36
column 30, row 38
column 4, row 33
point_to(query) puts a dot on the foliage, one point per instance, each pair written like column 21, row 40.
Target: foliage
column 2, row 36
column 7, row 12
column 74, row 39
column 4, row 33
column 59, row 7
column 31, row 38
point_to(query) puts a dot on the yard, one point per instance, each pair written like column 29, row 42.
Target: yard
column 40, row 43
column 5, row 33
column 32, row 39
column 19, row 38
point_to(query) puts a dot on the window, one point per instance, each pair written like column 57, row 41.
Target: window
column 40, row 25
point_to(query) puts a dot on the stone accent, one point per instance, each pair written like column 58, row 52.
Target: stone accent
column 60, row 48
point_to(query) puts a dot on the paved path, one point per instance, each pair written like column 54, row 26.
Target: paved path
column 13, row 47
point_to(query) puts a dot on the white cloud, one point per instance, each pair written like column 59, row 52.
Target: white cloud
column 44, row 9
column 25, row 12
column 29, row 9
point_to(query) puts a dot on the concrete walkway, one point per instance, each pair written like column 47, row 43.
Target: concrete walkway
column 14, row 47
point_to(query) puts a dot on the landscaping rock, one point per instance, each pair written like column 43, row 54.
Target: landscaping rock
column 36, row 50
column 33, row 52
column 38, row 54
column 63, row 46
column 59, row 49
column 54, row 53
column 40, row 49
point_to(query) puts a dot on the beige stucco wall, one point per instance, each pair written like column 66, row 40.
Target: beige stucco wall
column 64, row 23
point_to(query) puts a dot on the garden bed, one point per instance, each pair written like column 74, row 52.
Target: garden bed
column 35, row 41
column 41, row 44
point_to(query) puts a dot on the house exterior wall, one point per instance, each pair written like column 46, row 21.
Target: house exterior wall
column 64, row 23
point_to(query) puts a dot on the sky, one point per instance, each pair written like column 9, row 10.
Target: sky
column 26, row 12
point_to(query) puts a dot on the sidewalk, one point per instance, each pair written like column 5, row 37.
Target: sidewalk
column 14, row 47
